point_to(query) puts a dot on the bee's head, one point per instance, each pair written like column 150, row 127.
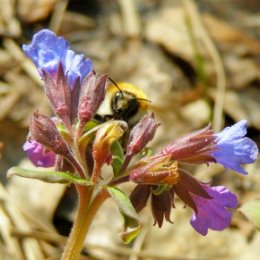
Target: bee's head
column 123, row 101
column 127, row 100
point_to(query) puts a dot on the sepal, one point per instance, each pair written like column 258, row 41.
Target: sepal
column 192, row 147
column 58, row 93
column 156, row 171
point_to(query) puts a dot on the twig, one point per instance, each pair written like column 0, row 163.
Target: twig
column 57, row 15
column 192, row 9
column 46, row 236
column 30, row 246
column 117, row 250
column 147, row 254
column 15, row 51
column 131, row 20
column 12, row 245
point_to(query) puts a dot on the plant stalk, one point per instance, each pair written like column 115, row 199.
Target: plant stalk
column 86, row 212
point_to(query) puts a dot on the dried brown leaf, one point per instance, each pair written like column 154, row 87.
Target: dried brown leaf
column 41, row 9
column 244, row 104
column 9, row 25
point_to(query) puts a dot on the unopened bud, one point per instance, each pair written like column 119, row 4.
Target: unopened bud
column 91, row 95
column 141, row 134
column 106, row 135
column 44, row 131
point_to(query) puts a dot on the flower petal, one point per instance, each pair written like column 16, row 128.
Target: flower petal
column 39, row 155
column 233, row 149
column 47, row 51
column 213, row 213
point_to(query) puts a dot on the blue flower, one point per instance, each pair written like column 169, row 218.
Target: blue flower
column 213, row 213
column 47, row 51
column 232, row 148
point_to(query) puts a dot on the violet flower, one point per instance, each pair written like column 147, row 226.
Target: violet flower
column 39, row 155
column 47, row 51
column 213, row 213
column 232, row 148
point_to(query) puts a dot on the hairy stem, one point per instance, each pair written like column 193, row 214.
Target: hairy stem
column 85, row 214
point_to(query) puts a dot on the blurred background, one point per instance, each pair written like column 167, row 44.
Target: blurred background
column 198, row 62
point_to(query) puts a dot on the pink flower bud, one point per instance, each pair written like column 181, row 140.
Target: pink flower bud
column 44, row 131
column 91, row 95
column 141, row 134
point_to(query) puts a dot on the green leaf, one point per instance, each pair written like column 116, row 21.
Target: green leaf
column 47, row 176
column 251, row 210
column 132, row 225
column 117, row 157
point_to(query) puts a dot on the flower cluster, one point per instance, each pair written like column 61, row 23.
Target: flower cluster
column 73, row 141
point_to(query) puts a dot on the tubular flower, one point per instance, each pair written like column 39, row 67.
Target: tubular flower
column 210, row 204
column 213, row 213
column 48, row 51
column 230, row 147
column 72, row 87
column 39, row 155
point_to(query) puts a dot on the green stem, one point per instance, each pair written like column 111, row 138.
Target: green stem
column 86, row 212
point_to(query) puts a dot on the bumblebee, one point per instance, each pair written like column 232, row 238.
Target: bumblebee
column 123, row 101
